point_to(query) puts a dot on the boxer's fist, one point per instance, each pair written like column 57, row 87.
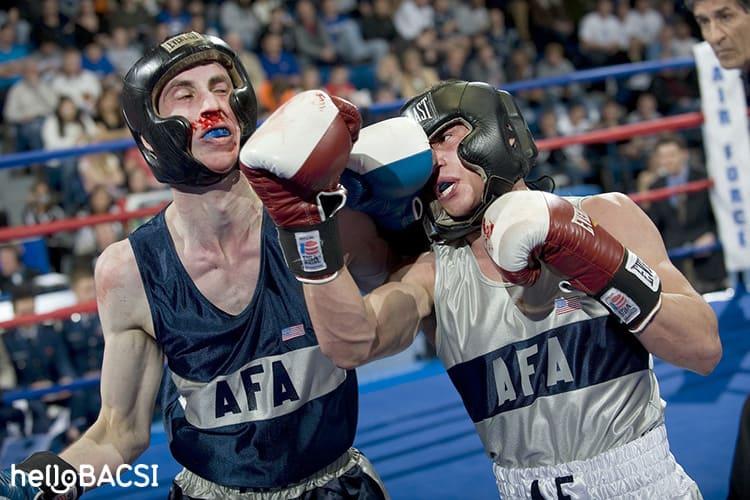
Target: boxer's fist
column 16, row 484
column 299, row 152
column 388, row 167
column 13, row 490
column 293, row 162
column 523, row 228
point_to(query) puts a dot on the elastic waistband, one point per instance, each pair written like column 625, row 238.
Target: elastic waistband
column 195, row 486
column 643, row 468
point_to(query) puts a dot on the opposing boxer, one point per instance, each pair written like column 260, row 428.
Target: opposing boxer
column 547, row 309
column 253, row 408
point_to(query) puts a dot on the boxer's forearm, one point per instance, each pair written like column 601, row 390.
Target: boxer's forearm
column 353, row 330
column 685, row 333
column 344, row 325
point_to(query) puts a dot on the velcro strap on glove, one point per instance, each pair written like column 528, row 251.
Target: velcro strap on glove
column 633, row 294
column 313, row 253
column 55, row 470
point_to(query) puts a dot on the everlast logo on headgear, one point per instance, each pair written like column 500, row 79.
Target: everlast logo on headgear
column 178, row 41
column 424, row 109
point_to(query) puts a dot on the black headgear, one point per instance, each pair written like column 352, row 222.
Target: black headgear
column 169, row 156
column 499, row 146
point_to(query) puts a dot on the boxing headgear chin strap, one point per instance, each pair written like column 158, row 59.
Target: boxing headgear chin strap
column 499, row 146
column 169, row 138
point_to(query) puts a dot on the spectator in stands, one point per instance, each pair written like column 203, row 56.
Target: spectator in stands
column 83, row 338
column 310, row 36
column 41, row 208
column 80, row 85
column 122, row 50
column 94, row 59
column 454, row 66
column 417, row 77
column 602, row 36
column 686, row 219
column 39, row 358
column 131, row 15
column 174, row 15
column 108, row 116
column 249, row 60
column 617, row 172
column 13, row 272
column 280, row 23
column 87, row 24
column 52, row 26
column 68, row 127
column 487, row 67
column 29, row 102
column 376, row 20
column 643, row 23
column 12, row 54
column 237, row 16
column 276, row 61
column 102, row 169
column 90, row 241
column 339, row 83
column 37, row 351
column 472, row 17
column 503, row 39
column 263, row 8
column 549, row 21
column 682, row 46
column 445, row 19
column 133, row 160
column 22, row 27
column 554, row 64
column 389, row 75
column 412, row 17
column 640, row 147
column 521, row 68
column 50, row 58
column 346, row 37
column 576, row 121
column 553, row 162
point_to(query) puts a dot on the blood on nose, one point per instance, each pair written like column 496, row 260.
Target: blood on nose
column 207, row 120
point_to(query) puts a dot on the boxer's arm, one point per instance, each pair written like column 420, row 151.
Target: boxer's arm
column 353, row 330
column 684, row 331
column 131, row 370
column 367, row 256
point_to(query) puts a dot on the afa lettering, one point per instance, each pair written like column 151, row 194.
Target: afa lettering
column 558, row 370
column 283, row 389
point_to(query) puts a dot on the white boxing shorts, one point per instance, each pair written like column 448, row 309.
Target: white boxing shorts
column 642, row 469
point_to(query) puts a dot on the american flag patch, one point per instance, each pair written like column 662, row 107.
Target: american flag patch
column 292, row 332
column 567, row 304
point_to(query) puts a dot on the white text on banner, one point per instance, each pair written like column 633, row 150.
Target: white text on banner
column 727, row 147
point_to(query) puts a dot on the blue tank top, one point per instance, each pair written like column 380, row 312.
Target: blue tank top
column 250, row 400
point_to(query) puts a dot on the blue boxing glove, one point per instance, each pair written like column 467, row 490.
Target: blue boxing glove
column 42, row 476
column 389, row 164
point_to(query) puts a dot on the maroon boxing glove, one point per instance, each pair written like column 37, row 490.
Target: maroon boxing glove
column 523, row 228
column 294, row 161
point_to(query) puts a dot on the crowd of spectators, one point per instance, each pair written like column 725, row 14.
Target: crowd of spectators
column 61, row 63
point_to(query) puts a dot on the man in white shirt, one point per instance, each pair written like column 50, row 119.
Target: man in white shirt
column 29, row 101
column 81, row 85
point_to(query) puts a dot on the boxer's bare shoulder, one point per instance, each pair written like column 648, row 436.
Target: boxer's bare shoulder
column 119, row 291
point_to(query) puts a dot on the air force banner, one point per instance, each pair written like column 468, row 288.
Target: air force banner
column 727, row 147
